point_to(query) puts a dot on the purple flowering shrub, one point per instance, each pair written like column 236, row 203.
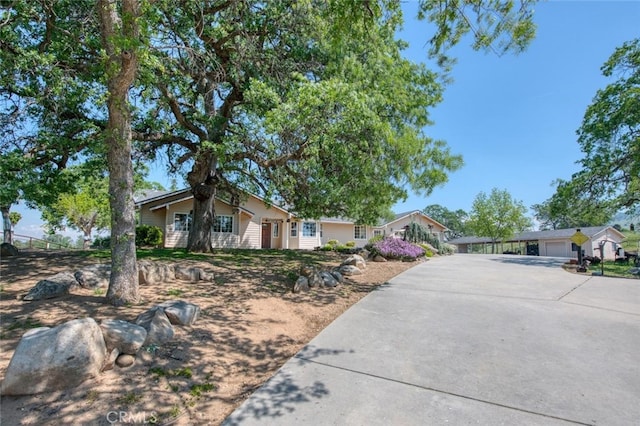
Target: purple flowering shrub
column 396, row 248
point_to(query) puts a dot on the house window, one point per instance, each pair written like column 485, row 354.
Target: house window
column 377, row 233
column 294, row 229
column 223, row 224
column 181, row 222
column 276, row 229
column 360, row 232
column 308, row 229
column 320, row 230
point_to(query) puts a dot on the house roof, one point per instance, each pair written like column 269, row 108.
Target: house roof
column 553, row 234
column 403, row 215
column 150, row 196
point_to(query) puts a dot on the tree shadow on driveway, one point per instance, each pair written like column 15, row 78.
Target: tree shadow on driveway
column 547, row 262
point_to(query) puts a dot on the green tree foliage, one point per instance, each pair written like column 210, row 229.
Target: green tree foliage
column 610, row 140
column 570, row 208
column 455, row 221
column 14, row 218
column 498, row 26
column 85, row 210
column 305, row 103
column 497, row 216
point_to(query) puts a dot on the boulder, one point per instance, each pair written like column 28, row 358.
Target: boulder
column 122, row 335
column 155, row 272
column 349, row 270
column 192, row 274
column 355, row 260
column 158, row 326
column 54, row 286
column 302, row 284
column 337, row 275
column 125, row 360
column 94, row 276
column 311, row 274
column 634, row 271
column 328, row 279
column 379, row 258
column 180, row 312
column 110, row 360
column 49, row 359
column 7, row 250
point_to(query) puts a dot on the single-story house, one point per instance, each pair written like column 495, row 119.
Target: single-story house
column 555, row 243
column 256, row 224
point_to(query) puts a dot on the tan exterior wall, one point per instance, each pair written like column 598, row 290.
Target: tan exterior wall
column 399, row 225
column 343, row 232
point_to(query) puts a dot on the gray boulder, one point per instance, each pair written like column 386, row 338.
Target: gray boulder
column 55, row 286
column 125, row 360
column 634, row 271
column 311, row 274
column 110, row 360
column 355, row 260
column 379, row 258
column 124, row 336
column 158, row 326
column 192, row 274
column 7, row 250
column 349, row 270
column 155, row 272
column 50, row 359
column 180, row 312
column 302, row 284
column 337, row 275
column 328, row 279
column 94, row 276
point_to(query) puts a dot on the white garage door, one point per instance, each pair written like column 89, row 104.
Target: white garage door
column 556, row 249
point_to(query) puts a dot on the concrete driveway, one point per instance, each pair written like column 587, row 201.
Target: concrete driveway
column 468, row 339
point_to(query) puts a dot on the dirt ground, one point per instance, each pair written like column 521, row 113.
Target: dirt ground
column 250, row 325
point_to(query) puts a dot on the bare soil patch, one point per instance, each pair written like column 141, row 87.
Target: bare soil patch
column 250, row 325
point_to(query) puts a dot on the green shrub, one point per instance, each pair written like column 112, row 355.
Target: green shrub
column 447, row 248
column 147, row 235
column 427, row 250
column 371, row 244
column 333, row 243
column 327, row 247
column 350, row 244
column 101, row 243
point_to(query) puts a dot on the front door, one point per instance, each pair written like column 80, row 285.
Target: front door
column 266, row 235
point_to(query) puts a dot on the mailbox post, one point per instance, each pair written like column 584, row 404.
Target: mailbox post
column 579, row 239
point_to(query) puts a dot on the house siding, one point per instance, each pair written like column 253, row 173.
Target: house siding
column 398, row 226
column 343, row 232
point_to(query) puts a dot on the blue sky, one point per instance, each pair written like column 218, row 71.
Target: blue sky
column 513, row 118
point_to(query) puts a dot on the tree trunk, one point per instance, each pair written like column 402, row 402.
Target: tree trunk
column 200, row 232
column 86, row 241
column 121, row 68
column 6, row 225
column 203, row 182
